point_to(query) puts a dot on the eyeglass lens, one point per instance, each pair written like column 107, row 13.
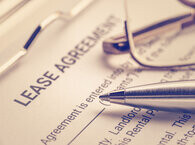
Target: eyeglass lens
column 163, row 32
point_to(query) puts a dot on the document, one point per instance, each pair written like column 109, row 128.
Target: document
column 51, row 96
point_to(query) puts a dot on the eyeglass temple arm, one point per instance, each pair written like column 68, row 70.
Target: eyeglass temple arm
column 43, row 25
column 23, row 51
column 119, row 44
column 46, row 22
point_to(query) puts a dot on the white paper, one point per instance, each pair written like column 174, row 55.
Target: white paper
column 62, row 104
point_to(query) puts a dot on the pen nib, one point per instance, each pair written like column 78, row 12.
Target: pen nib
column 104, row 97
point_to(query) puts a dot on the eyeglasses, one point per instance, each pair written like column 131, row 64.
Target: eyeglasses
column 162, row 42
column 9, row 57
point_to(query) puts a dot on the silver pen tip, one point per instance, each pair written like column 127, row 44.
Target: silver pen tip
column 104, row 97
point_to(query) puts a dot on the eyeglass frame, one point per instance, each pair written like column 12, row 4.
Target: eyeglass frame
column 124, row 43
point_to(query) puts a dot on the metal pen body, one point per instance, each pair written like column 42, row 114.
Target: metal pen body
column 165, row 96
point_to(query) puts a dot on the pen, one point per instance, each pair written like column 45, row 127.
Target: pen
column 169, row 96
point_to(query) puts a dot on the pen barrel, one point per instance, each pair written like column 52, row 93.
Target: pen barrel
column 170, row 96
